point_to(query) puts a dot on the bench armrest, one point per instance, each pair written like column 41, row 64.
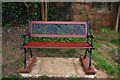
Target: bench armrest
column 24, row 39
column 90, row 40
column 24, row 35
column 91, row 36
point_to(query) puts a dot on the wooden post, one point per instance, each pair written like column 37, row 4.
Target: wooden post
column 117, row 21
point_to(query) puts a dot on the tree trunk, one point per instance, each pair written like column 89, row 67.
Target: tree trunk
column 117, row 21
column 46, row 11
column 42, row 11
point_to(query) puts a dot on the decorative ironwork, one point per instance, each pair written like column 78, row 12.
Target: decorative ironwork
column 59, row 29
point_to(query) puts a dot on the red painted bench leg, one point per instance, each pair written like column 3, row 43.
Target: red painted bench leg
column 29, row 64
column 85, row 65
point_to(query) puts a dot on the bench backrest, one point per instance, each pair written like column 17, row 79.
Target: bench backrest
column 58, row 29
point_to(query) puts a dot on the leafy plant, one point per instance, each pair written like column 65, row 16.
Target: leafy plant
column 20, row 13
column 115, row 40
column 7, row 25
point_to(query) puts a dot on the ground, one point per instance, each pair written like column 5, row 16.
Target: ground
column 12, row 55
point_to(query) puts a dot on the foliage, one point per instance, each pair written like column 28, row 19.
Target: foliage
column 96, row 45
column 43, row 39
column 102, row 63
column 115, row 40
column 116, row 52
column 13, row 12
column 7, row 25
column 58, row 13
column 13, row 77
column 19, row 13
column 70, row 53
column 108, row 31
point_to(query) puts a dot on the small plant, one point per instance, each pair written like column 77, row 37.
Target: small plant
column 108, row 44
column 7, row 25
column 19, row 63
column 96, row 45
column 115, row 40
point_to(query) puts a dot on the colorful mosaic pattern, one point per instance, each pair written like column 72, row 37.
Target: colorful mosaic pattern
column 59, row 29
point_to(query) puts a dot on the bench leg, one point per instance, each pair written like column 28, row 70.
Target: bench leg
column 90, row 59
column 24, row 58
column 30, row 52
column 85, row 53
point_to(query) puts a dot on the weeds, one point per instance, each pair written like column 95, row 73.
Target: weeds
column 108, row 44
column 7, row 26
column 96, row 45
column 115, row 41
column 108, row 30
column 70, row 53
column 116, row 52
column 99, row 38
column 13, row 77
column 102, row 63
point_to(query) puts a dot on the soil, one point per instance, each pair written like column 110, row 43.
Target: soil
column 12, row 55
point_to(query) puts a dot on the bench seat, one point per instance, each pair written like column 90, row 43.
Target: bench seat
column 57, row 45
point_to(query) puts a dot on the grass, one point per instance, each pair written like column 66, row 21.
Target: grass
column 99, row 38
column 96, row 45
column 53, row 52
column 48, row 52
column 20, row 63
column 103, row 64
column 115, row 41
column 116, row 52
column 109, row 31
column 108, row 44
column 13, row 77
column 70, row 53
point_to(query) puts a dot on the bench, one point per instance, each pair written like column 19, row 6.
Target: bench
column 50, row 29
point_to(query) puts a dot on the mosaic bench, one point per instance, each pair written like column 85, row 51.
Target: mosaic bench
column 53, row 29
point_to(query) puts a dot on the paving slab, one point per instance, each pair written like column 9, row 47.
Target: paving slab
column 56, row 67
